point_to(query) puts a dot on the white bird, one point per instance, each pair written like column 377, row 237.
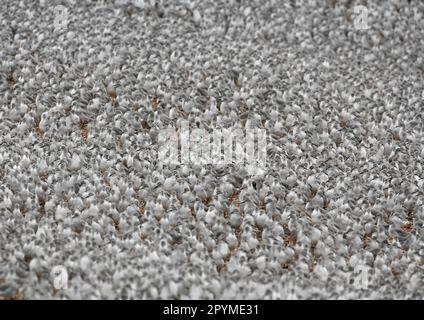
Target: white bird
column 252, row 243
column 210, row 217
column 61, row 212
column 315, row 216
column 232, row 241
column 261, row 262
column 75, row 163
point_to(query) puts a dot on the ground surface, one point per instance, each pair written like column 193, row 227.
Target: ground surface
column 338, row 213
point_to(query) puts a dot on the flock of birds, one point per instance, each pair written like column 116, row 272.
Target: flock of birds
column 337, row 214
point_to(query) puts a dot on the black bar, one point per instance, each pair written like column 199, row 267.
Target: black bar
column 224, row 309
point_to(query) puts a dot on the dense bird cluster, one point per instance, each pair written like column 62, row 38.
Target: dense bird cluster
column 337, row 214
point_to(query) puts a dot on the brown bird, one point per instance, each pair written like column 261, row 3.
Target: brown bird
column 111, row 92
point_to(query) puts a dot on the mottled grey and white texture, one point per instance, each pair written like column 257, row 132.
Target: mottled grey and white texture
column 80, row 185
